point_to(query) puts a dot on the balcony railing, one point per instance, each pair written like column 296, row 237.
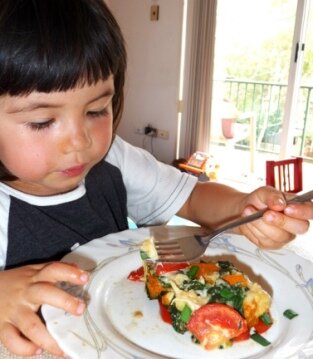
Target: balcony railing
column 267, row 101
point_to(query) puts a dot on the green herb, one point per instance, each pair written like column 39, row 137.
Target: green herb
column 164, row 281
column 185, row 314
column 266, row 319
column 193, row 284
column 290, row 314
column 194, row 339
column 192, row 272
column 227, row 293
column 226, row 265
column 260, row 340
column 177, row 323
column 144, row 255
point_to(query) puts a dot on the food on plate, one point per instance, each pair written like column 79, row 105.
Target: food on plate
column 214, row 301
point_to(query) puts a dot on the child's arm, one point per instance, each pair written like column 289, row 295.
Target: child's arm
column 23, row 290
column 211, row 204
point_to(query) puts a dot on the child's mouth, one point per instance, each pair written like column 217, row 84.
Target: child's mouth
column 74, row 171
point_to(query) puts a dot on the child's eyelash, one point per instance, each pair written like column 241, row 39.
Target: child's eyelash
column 98, row 113
column 37, row 126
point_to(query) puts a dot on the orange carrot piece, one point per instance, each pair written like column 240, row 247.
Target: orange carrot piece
column 235, row 278
column 205, row 268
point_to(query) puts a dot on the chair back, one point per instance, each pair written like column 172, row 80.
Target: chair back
column 285, row 175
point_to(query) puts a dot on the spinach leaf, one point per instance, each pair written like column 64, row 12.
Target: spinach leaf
column 178, row 324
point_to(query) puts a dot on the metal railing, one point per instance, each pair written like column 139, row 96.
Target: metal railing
column 267, row 101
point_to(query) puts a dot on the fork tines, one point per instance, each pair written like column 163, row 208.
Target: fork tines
column 169, row 251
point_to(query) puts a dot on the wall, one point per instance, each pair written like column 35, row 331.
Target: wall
column 151, row 90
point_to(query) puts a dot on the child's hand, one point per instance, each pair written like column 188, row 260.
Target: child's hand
column 23, row 290
column 276, row 228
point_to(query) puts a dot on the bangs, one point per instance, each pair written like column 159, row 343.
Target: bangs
column 57, row 45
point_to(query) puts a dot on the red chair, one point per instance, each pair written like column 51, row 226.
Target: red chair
column 285, row 175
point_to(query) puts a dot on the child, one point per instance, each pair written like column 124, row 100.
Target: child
column 66, row 179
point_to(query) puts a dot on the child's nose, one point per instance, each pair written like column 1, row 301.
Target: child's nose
column 78, row 139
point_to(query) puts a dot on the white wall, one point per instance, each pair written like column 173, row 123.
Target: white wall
column 151, row 91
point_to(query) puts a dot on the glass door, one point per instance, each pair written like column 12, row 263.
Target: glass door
column 298, row 121
column 253, row 52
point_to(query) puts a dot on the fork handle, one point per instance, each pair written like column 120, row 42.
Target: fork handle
column 243, row 220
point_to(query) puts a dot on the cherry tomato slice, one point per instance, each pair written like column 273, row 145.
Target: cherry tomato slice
column 169, row 267
column 216, row 324
column 136, row 275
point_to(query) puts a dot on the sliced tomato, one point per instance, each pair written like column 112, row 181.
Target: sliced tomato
column 260, row 327
column 216, row 324
column 136, row 275
column 162, row 268
column 165, row 315
column 244, row 336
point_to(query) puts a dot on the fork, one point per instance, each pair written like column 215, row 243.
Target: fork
column 189, row 248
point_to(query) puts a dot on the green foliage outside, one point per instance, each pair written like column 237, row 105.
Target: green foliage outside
column 255, row 42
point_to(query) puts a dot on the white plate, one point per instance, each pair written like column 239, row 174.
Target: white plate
column 122, row 322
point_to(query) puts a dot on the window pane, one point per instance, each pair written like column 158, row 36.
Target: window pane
column 251, row 67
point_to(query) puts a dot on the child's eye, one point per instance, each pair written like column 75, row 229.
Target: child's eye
column 39, row 125
column 99, row 113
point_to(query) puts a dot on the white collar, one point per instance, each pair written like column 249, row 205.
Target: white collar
column 45, row 200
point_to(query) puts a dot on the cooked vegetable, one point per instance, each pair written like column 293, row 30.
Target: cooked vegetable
column 194, row 285
column 233, row 279
column 163, row 268
column 264, row 323
column 290, row 314
column 266, row 318
column 260, row 340
column 154, row 287
column 165, row 315
column 216, row 324
column 216, row 302
column 206, row 268
column 185, row 314
column 178, row 324
column 230, row 295
column 136, row 275
column 192, row 271
column 144, row 255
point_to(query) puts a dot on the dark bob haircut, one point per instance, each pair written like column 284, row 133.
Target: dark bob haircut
column 57, row 45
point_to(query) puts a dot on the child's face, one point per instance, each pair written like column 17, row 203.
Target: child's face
column 51, row 141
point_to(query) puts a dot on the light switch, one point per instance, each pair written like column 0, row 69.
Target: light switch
column 154, row 13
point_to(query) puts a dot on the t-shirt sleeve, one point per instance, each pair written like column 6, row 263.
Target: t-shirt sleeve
column 155, row 191
column 4, row 215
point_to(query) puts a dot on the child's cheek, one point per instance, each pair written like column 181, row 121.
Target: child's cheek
column 102, row 138
column 29, row 164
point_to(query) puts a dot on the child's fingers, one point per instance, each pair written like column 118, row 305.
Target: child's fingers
column 14, row 342
column 300, row 210
column 267, row 197
column 57, row 272
column 12, row 339
column 50, row 294
column 289, row 224
column 274, row 230
column 30, row 325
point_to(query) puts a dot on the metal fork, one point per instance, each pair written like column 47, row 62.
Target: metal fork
column 189, row 248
